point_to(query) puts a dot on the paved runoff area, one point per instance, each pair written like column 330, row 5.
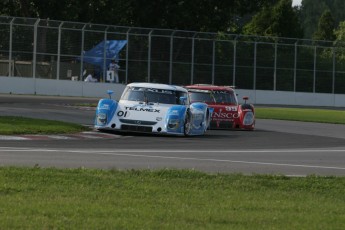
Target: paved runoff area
column 76, row 136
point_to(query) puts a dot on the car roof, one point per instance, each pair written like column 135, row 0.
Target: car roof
column 157, row 86
column 209, row 87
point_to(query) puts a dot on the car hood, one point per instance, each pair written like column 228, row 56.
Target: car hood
column 224, row 108
column 142, row 111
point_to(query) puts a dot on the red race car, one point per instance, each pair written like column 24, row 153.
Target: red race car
column 227, row 112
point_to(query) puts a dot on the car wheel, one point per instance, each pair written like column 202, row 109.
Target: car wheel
column 208, row 121
column 187, row 124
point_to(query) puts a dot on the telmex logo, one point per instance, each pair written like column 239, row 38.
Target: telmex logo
column 105, row 106
column 224, row 115
column 143, row 109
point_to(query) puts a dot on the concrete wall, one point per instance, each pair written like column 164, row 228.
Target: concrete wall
column 292, row 98
column 17, row 85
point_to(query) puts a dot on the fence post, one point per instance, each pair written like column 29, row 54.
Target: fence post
column 295, row 68
column 105, row 52
column 192, row 62
column 82, row 53
column 213, row 59
column 275, row 67
column 149, row 59
column 10, row 73
column 171, row 56
column 234, row 63
column 333, row 69
column 314, row 74
column 127, row 52
column 35, row 50
column 254, row 74
column 59, row 53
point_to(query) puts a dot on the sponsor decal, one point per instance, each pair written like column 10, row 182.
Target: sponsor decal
column 220, row 115
column 224, row 115
column 174, row 112
column 104, row 106
column 150, row 110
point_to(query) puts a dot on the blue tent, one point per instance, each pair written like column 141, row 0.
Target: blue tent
column 96, row 56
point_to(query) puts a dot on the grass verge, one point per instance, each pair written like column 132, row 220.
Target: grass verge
column 301, row 114
column 36, row 198
column 20, row 125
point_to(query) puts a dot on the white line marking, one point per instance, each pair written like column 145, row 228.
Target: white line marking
column 219, row 160
column 178, row 150
column 125, row 152
column 12, row 138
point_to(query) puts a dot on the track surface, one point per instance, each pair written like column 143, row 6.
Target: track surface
column 278, row 147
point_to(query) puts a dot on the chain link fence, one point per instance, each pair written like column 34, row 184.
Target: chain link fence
column 48, row 49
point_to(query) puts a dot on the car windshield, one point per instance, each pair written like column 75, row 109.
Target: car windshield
column 201, row 96
column 153, row 95
column 225, row 97
column 213, row 97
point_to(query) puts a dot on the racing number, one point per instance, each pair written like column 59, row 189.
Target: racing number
column 230, row 108
column 122, row 114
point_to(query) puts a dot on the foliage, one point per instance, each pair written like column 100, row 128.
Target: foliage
column 325, row 30
column 340, row 41
column 279, row 20
column 340, row 34
column 271, row 17
column 310, row 12
column 194, row 15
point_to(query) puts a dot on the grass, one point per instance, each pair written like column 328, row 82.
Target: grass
column 36, row 198
column 20, row 125
column 50, row 198
column 301, row 114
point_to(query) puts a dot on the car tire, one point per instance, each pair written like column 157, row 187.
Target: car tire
column 187, row 127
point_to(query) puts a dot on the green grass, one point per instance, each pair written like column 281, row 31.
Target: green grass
column 20, row 125
column 301, row 114
column 36, row 198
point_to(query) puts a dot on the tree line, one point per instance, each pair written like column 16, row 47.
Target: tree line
column 321, row 21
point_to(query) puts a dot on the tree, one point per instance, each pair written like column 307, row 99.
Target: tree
column 310, row 12
column 340, row 34
column 195, row 15
column 340, row 42
column 279, row 21
column 325, row 30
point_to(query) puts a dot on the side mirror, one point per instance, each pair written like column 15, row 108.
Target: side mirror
column 110, row 92
column 183, row 100
column 245, row 98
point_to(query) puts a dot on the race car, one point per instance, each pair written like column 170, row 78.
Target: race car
column 153, row 108
column 227, row 112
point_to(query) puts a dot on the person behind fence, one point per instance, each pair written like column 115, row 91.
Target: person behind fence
column 113, row 66
column 89, row 78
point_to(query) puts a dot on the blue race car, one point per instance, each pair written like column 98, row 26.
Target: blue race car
column 153, row 108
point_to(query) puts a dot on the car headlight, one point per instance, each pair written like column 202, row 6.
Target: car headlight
column 101, row 119
column 173, row 123
column 248, row 118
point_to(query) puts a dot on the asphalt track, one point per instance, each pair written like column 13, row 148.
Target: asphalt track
column 275, row 147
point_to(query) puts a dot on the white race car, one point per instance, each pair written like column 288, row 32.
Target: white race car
column 153, row 108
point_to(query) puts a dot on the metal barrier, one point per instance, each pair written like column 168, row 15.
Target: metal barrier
column 49, row 49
